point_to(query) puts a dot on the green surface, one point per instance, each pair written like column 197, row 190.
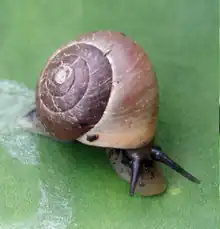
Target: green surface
column 45, row 184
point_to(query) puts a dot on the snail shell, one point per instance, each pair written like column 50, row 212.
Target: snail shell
column 100, row 84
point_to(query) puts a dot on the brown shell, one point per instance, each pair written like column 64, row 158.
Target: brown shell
column 101, row 84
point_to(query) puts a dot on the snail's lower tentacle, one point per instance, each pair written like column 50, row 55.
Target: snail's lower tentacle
column 158, row 155
column 138, row 163
column 135, row 174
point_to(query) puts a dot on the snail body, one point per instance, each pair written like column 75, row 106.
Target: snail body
column 101, row 90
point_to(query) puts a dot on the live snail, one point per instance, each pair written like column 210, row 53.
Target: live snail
column 101, row 90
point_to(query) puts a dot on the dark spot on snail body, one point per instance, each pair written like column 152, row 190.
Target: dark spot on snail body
column 92, row 138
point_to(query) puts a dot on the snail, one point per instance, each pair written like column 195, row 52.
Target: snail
column 101, row 90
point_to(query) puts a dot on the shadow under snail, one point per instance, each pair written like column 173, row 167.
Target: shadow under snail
column 101, row 90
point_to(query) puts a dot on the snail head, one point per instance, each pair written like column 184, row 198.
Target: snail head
column 142, row 160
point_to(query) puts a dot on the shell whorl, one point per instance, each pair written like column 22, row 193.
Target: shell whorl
column 73, row 90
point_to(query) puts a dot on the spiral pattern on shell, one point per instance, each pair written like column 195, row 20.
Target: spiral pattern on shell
column 74, row 90
column 101, row 84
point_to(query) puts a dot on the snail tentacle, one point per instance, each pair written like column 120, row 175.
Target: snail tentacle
column 135, row 174
column 158, row 155
column 143, row 158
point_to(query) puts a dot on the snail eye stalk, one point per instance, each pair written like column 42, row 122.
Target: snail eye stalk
column 158, row 155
